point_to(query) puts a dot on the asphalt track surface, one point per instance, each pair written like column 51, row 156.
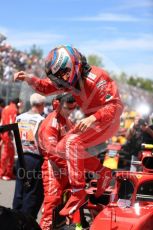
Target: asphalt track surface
column 7, row 193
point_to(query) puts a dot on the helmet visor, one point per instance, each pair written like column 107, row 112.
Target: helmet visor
column 58, row 81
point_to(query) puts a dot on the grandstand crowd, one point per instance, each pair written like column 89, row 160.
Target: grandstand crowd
column 12, row 60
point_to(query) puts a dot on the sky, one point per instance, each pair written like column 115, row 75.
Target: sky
column 118, row 31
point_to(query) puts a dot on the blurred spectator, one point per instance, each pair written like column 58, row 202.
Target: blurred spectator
column 9, row 114
column 8, row 72
column 30, row 200
column 139, row 132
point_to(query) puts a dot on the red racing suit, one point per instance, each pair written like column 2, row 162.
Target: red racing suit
column 54, row 169
column 1, row 109
column 98, row 96
column 9, row 114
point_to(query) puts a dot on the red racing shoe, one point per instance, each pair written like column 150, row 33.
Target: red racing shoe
column 105, row 176
column 76, row 200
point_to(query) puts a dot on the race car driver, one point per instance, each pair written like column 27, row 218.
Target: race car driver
column 98, row 97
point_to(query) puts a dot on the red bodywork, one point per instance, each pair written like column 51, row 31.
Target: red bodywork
column 132, row 200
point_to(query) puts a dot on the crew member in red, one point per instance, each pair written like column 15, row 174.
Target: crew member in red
column 2, row 105
column 54, row 168
column 98, row 97
column 8, row 116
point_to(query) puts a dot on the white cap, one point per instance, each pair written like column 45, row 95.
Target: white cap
column 36, row 99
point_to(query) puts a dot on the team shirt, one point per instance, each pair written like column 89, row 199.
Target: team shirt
column 28, row 126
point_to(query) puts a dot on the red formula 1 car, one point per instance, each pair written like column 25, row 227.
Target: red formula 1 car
column 132, row 199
